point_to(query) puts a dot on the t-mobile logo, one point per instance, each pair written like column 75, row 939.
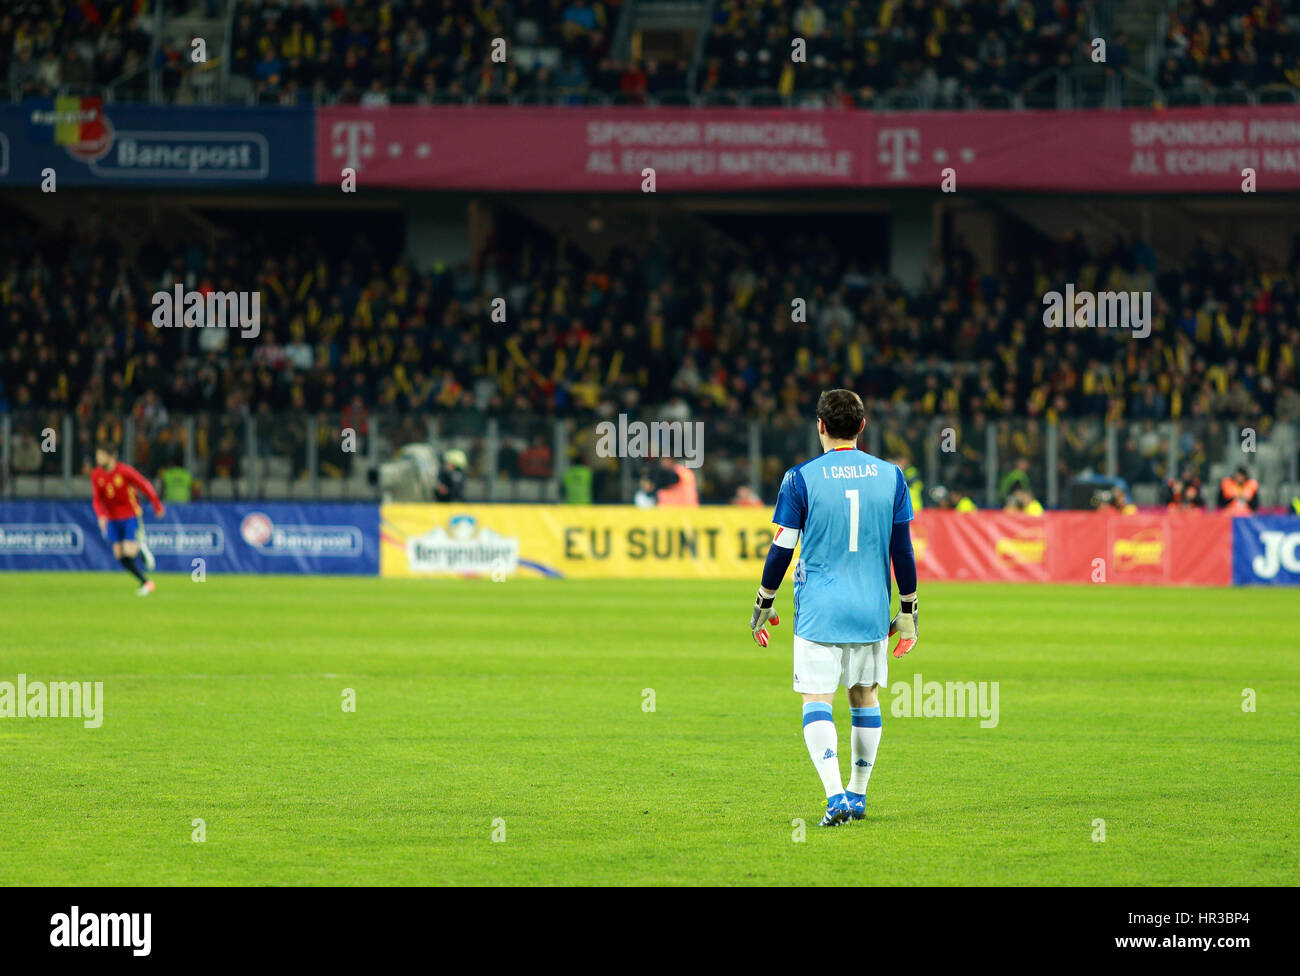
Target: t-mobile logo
column 352, row 142
column 897, row 149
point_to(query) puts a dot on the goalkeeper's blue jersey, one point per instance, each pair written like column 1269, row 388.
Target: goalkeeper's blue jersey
column 844, row 504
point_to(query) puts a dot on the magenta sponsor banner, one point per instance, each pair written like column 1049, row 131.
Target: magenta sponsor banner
column 606, row 150
column 1134, row 150
column 549, row 148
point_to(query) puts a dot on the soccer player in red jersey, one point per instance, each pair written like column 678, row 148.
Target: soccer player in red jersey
column 113, row 486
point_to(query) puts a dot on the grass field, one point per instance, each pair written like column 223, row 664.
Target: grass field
column 524, row 701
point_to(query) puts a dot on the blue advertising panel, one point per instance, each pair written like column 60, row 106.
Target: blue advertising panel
column 236, row 537
column 89, row 143
column 1266, row 550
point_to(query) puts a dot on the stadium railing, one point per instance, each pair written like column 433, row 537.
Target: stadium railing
column 1052, row 90
column 337, row 455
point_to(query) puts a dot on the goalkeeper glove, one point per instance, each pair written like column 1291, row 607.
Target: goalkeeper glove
column 906, row 625
column 763, row 615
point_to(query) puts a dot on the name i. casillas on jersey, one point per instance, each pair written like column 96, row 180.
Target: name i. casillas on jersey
column 850, row 471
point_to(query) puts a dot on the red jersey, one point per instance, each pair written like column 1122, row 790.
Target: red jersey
column 113, row 492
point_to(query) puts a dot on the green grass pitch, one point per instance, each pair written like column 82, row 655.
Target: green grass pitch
column 524, row 704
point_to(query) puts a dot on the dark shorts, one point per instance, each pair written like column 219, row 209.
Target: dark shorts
column 123, row 530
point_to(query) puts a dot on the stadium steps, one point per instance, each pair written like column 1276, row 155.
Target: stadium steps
column 130, row 218
column 1163, row 224
column 669, row 14
column 200, row 87
column 1140, row 20
column 595, row 226
column 652, row 28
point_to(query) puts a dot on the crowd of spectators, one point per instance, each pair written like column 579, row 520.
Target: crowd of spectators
column 48, row 46
column 1246, row 45
column 689, row 335
column 944, row 52
column 863, row 49
column 424, row 50
column 432, row 50
column 950, row 52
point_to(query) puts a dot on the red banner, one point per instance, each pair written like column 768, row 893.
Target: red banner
column 606, row 150
column 1184, row 548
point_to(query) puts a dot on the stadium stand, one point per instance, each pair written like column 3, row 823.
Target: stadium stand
column 48, row 47
column 703, row 336
column 1228, row 48
column 367, row 338
column 883, row 53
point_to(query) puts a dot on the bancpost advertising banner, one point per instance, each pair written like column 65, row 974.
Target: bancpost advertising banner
column 524, row 541
column 1266, row 550
column 72, row 141
column 257, row 537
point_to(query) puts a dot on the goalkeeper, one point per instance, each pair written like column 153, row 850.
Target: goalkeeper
column 851, row 512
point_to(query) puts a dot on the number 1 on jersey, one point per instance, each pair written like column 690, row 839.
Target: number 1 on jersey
column 852, row 495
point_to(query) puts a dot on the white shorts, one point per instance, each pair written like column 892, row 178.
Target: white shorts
column 821, row 668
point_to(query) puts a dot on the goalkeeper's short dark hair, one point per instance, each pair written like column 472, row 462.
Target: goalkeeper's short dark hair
column 108, row 447
column 842, row 412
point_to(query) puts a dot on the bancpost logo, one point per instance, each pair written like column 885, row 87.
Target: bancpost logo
column 1145, row 548
column 464, row 548
column 42, row 539
column 1026, row 548
column 270, row 539
column 172, row 539
column 88, row 135
column 76, row 123
column 190, row 155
